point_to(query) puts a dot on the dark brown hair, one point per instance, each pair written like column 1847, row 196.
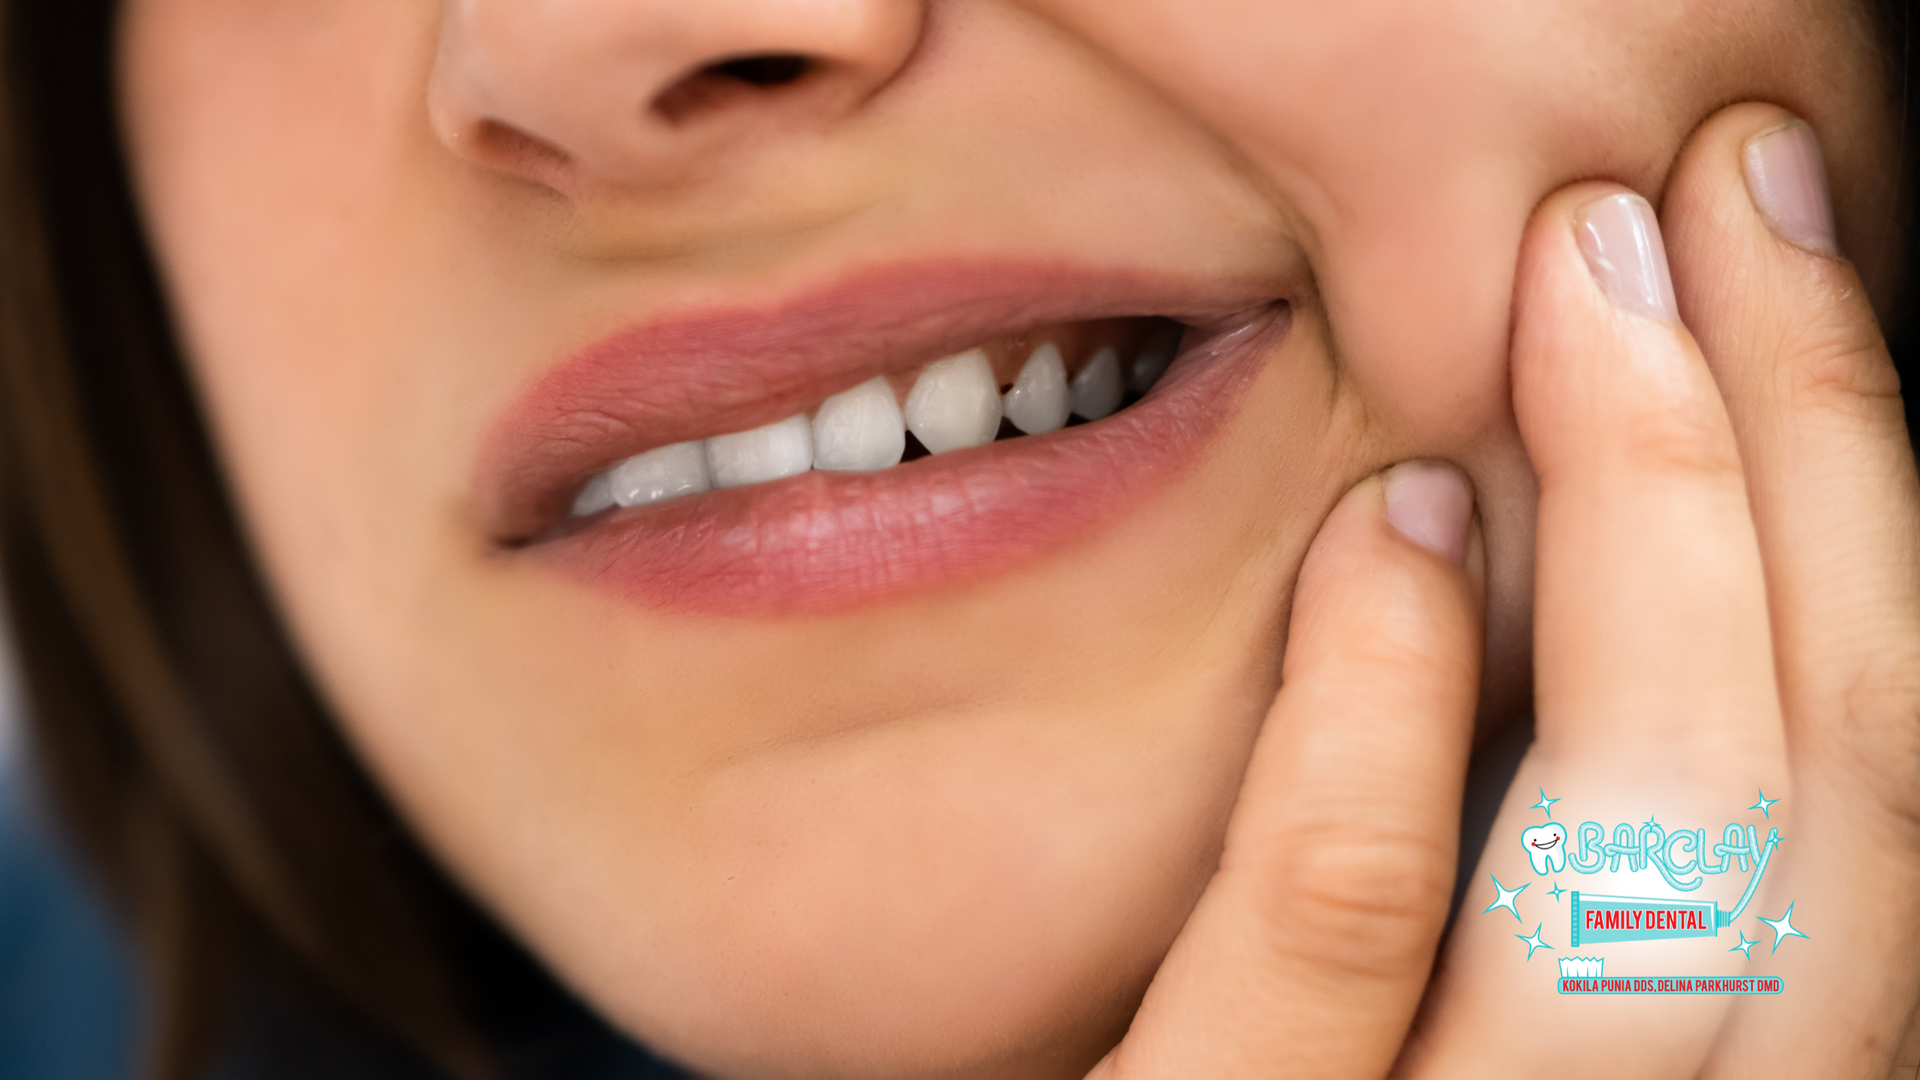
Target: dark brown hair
column 184, row 745
column 175, row 728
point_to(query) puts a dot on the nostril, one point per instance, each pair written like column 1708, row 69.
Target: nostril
column 731, row 81
column 764, row 70
column 509, row 148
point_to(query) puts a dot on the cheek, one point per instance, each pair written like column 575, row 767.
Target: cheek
column 1421, row 314
column 268, row 141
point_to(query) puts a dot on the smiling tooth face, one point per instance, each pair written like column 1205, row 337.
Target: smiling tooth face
column 1546, row 847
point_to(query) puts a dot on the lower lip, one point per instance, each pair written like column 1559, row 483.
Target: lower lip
column 823, row 542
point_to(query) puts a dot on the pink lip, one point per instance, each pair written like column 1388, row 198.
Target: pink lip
column 830, row 541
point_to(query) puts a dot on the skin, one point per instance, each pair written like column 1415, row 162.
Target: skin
column 890, row 842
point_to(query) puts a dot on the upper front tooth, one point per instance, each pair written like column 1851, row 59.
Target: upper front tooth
column 767, row 453
column 1096, row 390
column 859, row 430
column 955, row 403
column 680, row 469
column 1038, row 401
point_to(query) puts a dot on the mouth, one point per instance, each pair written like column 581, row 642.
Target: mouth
column 1546, row 846
column 897, row 431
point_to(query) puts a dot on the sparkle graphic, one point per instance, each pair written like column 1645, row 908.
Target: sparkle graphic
column 1545, row 804
column 1505, row 899
column 1783, row 928
column 1649, row 821
column 1533, row 941
column 1744, row 946
column 1765, row 805
column 1556, row 892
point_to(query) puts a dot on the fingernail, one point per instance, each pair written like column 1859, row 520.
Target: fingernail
column 1431, row 504
column 1787, row 177
column 1621, row 239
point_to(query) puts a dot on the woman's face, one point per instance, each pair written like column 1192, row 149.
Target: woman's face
column 914, row 772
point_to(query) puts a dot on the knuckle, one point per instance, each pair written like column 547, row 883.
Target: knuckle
column 1682, row 439
column 1848, row 374
column 1360, row 903
column 1879, row 739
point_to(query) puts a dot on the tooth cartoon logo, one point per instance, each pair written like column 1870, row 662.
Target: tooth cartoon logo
column 1546, row 847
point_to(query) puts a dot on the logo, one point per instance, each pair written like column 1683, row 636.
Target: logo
column 1684, row 861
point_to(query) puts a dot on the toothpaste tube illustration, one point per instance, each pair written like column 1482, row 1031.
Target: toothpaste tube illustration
column 1600, row 919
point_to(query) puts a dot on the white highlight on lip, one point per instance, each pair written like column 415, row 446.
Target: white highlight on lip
column 955, row 403
column 859, row 430
column 1037, row 403
column 767, row 453
column 1546, row 847
column 1096, row 390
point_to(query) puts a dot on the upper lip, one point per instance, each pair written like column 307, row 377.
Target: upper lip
column 726, row 368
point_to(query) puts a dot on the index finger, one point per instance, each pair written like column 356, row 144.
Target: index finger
column 1653, row 659
column 1310, row 948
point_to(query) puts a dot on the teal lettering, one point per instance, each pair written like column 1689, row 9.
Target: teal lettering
column 1624, row 843
column 1660, row 852
column 1589, row 858
column 1700, row 845
column 1738, row 845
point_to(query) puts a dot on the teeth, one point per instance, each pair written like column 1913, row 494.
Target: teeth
column 1546, row 847
column 680, row 469
column 1154, row 357
column 1038, row 401
column 859, row 430
column 763, row 454
column 1096, row 390
column 955, row 404
column 593, row 498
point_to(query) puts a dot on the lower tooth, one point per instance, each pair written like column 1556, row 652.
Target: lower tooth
column 1038, row 401
column 670, row 471
column 1096, row 390
column 859, row 430
column 955, row 403
column 763, row 454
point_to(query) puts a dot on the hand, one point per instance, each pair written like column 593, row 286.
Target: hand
column 1308, row 953
column 1725, row 602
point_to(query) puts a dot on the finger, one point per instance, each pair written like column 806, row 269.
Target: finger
column 1308, row 951
column 1814, row 402
column 1651, row 618
column 1654, row 685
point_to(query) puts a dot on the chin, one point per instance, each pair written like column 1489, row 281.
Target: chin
column 978, row 895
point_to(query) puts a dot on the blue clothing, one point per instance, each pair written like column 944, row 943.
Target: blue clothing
column 68, row 1001
column 66, row 993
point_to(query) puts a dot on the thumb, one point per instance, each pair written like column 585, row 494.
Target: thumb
column 1309, row 950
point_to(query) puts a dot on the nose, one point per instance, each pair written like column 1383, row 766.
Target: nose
column 579, row 94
